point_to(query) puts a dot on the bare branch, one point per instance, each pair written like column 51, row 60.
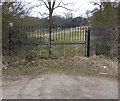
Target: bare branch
column 64, row 8
column 100, row 4
column 65, row 4
column 59, row 3
column 94, row 3
column 46, row 5
column 53, row 4
column 62, row 5
column 77, row 9
column 49, row 3
column 36, row 6
column 43, row 14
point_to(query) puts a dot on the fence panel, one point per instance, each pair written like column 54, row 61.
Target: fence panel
column 34, row 41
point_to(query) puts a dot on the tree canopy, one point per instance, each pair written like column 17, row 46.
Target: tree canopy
column 107, row 15
column 12, row 12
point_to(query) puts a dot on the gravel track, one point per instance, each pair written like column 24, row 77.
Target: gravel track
column 59, row 86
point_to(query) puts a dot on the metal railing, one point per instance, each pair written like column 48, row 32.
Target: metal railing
column 35, row 40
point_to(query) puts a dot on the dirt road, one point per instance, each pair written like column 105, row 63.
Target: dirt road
column 59, row 86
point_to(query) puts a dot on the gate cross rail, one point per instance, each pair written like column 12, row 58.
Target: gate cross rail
column 83, row 35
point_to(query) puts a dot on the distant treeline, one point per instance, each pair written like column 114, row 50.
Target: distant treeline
column 57, row 22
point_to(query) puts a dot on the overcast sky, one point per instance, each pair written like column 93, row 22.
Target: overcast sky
column 83, row 6
column 80, row 5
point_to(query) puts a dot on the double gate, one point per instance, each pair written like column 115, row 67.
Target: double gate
column 36, row 41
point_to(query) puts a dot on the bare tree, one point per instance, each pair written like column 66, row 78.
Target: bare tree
column 68, row 14
column 97, row 3
column 51, row 5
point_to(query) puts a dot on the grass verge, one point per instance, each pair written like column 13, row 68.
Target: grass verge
column 92, row 66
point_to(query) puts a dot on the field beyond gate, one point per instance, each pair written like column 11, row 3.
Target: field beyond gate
column 34, row 41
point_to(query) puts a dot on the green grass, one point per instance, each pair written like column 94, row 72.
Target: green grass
column 65, row 36
column 73, row 36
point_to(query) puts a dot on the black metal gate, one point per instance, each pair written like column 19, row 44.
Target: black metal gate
column 35, row 41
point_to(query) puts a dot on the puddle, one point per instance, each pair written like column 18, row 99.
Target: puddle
column 103, row 73
column 40, row 79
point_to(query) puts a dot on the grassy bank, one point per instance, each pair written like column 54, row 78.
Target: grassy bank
column 92, row 66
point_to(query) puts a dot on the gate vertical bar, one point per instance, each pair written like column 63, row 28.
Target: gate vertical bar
column 50, row 32
column 88, row 43
column 10, row 40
